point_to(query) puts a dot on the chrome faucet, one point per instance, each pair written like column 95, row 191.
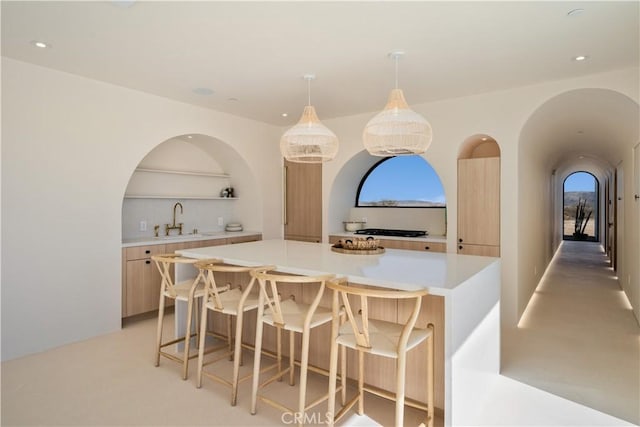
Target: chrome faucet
column 168, row 227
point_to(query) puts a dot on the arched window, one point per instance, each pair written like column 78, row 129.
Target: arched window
column 580, row 210
column 404, row 181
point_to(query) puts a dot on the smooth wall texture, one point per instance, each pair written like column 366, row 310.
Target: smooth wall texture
column 501, row 115
column 70, row 145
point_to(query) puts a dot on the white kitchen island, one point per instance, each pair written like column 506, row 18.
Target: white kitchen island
column 469, row 285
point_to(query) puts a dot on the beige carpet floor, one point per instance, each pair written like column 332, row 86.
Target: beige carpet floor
column 578, row 337
column 111, row 380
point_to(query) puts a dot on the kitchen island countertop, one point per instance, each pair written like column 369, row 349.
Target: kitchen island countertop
column 470, row 286
column 206, row 235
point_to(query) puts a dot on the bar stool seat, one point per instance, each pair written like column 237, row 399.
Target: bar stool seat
column 377, row 337
column 295, row 317
column 232, row 300
column 188, row 291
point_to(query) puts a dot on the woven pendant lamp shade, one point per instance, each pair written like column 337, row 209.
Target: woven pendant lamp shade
column 397, row 130
column 309, row 141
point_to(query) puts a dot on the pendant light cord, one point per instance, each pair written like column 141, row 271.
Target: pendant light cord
column 308, row 91
column 396, row 58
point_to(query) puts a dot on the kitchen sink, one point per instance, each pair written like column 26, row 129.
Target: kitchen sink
column 178, row 236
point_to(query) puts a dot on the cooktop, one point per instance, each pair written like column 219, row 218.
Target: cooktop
column 391, row 232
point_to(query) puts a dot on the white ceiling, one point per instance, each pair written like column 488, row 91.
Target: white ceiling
column 257, row 52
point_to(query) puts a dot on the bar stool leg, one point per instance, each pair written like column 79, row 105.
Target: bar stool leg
column 333, row 367
column 203, row 336
column 304, row 363
column 237, row 358
column 400, row 380
column 229, row 339
column 360, row 382
column 256, row 357
column 187, row 340
column 160, row 325
column 292, row 358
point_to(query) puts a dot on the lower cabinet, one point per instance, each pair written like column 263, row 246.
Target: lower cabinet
column 411, row 245
column 141, row 278
column 482, row 250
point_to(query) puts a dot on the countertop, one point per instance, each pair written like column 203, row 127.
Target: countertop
column 205, row 235
column 441, row 273
column 434, row 238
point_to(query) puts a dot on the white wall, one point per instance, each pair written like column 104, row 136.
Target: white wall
column 502, row 115
column 70, row 145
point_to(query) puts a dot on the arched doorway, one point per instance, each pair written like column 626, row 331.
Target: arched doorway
column 580, row 207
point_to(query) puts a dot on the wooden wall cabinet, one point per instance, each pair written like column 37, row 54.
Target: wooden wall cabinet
column 141, row 278
column 479, row 206
column 303, row 201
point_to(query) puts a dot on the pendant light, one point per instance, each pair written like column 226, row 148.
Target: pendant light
column 309, row 141
column 397, row 130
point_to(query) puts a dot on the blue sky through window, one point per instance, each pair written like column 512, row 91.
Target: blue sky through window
column 580, row 181
column 402, row 181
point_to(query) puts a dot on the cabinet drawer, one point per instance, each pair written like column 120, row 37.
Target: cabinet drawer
column 241, row 239
column 142, row 252
column 433, row 247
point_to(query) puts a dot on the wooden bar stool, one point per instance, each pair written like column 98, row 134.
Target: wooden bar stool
column 232, row 301
column 188, row 291
column 383, row 338
column 289, row 315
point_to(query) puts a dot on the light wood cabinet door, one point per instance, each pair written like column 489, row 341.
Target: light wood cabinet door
column 303, row 201
column 482, row 250
column 479, row 201
column 143, row 287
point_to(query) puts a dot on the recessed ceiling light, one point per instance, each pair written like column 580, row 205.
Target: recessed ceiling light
column 40, row 44
column 285, row 114
column 581, row 157
column 484, row 138
column 580, row 58
column 123, row 3
column 575, row 12
column 203, row 91
column 189, row 136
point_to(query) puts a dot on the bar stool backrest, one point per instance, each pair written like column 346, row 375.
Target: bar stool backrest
column 360, row 321
column 164, row 263
column 208, row 268
column 269, row 289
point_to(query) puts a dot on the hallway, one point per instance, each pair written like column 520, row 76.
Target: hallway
column 578, row 338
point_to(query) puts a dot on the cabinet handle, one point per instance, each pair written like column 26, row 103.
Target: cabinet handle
column 460, row 240
column 147, row 251
column 426, row 248
column 284, row 196
column 460, row 247
column 147, row 262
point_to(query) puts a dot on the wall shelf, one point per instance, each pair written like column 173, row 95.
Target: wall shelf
column 152, row 183
column 183, row 197
column 176, row 172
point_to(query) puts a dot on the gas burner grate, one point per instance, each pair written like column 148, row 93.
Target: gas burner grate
column 391, row 232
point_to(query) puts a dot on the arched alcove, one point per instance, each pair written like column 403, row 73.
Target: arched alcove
column 192, row 170
column 342, row 197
